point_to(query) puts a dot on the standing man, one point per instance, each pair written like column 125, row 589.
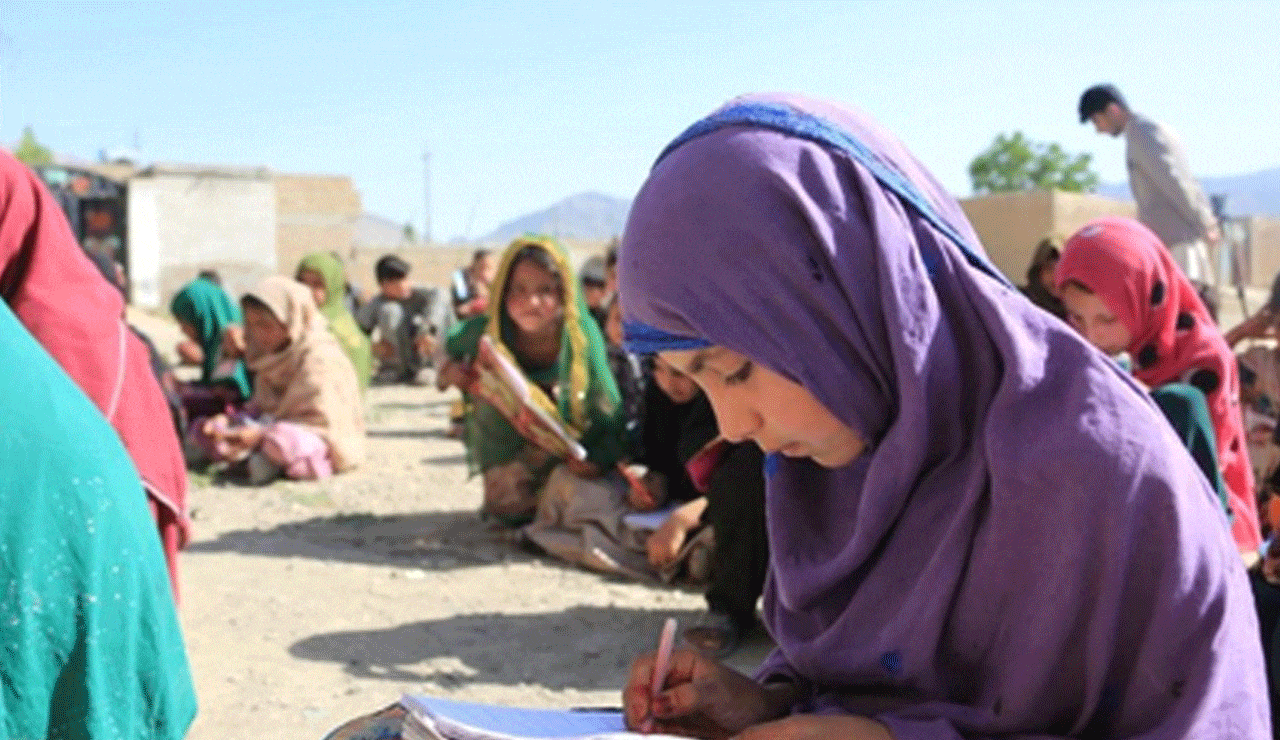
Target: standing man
column 1170, row 201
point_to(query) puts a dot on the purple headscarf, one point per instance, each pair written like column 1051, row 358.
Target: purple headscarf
column 1025, row 550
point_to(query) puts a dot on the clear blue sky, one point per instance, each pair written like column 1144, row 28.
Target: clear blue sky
column 523, row 103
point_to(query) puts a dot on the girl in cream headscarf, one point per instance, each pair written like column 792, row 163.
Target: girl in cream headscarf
column 305, row 418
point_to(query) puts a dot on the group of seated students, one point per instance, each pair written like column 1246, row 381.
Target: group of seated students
column 281, row 372
column 652, row 444
column 978, row 526
column 1116, row 284
column 649, row 437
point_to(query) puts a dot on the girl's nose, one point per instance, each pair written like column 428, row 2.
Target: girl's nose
column 737, row 419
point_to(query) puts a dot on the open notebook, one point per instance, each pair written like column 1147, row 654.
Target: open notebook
column 433, row 718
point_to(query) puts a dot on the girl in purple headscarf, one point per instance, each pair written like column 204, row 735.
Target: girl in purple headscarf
column 980, row 527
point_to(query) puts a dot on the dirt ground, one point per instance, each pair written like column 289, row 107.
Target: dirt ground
column 306, row 604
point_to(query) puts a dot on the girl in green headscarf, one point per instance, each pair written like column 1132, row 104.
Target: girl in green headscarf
column 92, row 645
column 539, row 322
column 325, row 275
column 204, row 311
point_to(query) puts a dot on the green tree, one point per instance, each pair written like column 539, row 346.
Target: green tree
column 31, row 152
column 408, row 232
column 1013, row 162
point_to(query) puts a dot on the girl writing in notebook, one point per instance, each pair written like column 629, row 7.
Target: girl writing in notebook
column 979, row 526
column 541, row 324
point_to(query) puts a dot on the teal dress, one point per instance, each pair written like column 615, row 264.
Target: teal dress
column 1188, row 413
column 91, row 644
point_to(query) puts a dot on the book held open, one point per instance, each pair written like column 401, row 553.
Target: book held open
column 501, row 383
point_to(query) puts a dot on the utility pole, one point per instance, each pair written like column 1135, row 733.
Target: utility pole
column 426, row 194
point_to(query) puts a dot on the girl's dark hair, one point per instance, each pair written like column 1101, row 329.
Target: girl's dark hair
column 248, row 300
column 542, row 258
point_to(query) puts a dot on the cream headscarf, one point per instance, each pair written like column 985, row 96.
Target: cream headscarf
column 311, row 381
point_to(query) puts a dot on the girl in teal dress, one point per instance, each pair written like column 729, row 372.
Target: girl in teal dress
column 92, row 645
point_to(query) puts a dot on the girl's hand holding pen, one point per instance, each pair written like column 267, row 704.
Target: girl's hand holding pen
column 700, row 698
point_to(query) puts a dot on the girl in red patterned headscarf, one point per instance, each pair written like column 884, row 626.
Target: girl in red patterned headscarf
column 1125, row 294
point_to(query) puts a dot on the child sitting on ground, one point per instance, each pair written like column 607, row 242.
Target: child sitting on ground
column 715, row 484
column 1040, row 287
column 628, row 372
column 1124, row 293
column 408, row 321
column 541, row 324
column 305, row 419
column 205, row 314
column 325, row 275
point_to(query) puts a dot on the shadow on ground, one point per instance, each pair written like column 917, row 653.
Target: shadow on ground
column 584, row 647
column 408, row 433
column 431, row 541
column 451, row 460
column 439, row 403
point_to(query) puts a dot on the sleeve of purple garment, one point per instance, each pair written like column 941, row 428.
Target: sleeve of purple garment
column 775, row 669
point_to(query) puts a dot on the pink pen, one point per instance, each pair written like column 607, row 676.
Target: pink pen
column 661, row 667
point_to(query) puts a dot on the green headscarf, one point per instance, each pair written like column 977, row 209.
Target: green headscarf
column 341, row 323
column 209, row 310
column 92, row 644
column 587, row 401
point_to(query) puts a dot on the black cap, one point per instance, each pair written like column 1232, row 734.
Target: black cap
column 390, row 267
column 1097, row 98
column 593, row 271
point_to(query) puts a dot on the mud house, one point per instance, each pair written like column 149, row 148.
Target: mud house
column 1011, row 224
column 245, row 223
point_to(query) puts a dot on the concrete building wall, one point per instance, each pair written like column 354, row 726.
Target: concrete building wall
column 1011, row 224
column 1073, row 210
column 184, row 220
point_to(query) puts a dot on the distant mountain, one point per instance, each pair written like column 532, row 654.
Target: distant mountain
column 1254, row 194
column 585, row 216
column 378, row 232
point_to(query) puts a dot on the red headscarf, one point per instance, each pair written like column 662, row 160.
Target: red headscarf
column 66, row 304
column 1173, row 339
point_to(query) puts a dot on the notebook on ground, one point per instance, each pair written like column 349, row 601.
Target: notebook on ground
column 457, row 720
column 647, row 520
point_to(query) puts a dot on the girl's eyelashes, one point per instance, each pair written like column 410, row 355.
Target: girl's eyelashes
column 740, row 375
